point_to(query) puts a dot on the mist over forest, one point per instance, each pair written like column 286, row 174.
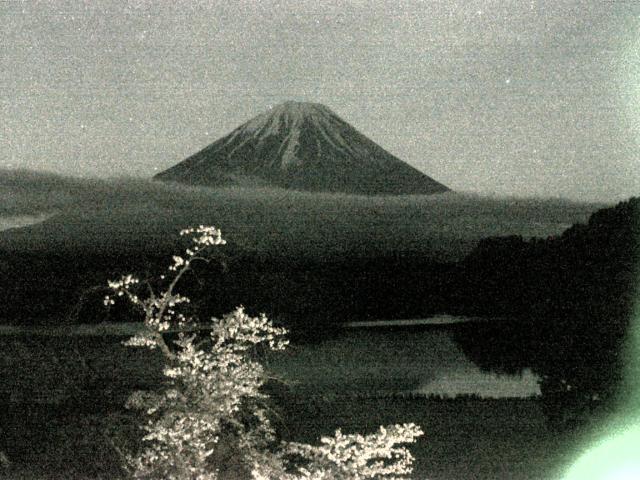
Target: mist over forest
column 129, row 213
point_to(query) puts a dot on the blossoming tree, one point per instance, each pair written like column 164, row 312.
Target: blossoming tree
column 210, row 420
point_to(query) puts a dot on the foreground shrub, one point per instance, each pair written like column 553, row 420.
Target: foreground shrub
column 210, row 420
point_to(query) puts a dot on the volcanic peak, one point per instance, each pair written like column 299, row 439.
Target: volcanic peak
column 302, row 146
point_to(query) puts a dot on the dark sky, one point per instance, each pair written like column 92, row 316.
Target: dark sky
column 508, row 97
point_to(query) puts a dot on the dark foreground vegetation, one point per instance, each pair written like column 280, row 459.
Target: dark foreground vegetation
column 466, row 439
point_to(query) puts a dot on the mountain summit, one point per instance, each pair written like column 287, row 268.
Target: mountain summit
column 301, row 146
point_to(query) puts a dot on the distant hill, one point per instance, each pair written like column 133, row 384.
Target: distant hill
column 572, row 299
column 301, row 146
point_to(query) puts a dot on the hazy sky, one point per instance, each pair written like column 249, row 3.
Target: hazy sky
column 508, row 97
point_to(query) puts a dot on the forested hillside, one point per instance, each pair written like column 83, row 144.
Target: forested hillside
column 571, row 299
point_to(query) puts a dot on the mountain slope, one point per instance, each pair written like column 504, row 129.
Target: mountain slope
column 301, row 146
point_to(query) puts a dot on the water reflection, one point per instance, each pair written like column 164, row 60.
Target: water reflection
column 470, row 380
column 19, row 221
column 402, row 359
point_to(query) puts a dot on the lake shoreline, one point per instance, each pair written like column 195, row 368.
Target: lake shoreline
column 131, row 328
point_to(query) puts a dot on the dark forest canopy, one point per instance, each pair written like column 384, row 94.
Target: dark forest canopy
column 571, row 299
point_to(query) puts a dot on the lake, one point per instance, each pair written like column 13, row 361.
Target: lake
column 397, row 357
column 387, row 357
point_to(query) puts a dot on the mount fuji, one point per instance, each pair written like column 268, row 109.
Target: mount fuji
column 301, row 146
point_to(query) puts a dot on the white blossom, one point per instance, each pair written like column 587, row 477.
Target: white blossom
column 210, row 422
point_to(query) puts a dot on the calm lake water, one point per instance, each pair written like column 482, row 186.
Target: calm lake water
column 390, row 357
column 372, row 356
